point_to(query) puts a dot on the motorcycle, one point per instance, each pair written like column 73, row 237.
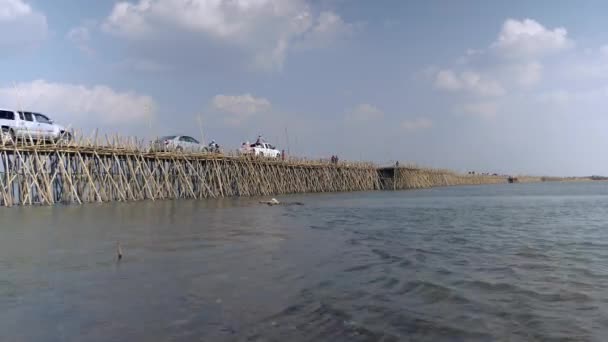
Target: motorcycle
column 212, row 148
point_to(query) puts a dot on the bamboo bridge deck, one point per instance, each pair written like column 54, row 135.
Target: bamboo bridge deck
column 125, row 170
column 94, row 169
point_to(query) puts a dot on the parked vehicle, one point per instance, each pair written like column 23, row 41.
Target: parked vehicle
column 260, row 148
column 179, row 143
column 29, row 125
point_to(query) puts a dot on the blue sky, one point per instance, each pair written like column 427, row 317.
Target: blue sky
column 514, row 87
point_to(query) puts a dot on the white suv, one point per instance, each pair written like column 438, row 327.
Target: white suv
column 261, row 149
column 24, row 125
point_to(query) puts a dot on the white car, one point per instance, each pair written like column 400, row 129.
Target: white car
column 179, row 143
column 25, row 125
column 261, row 149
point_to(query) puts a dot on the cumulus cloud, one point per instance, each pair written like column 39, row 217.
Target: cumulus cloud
column 81, row 37
column 365, row 112
column 78, row 104
column 416, row 124
column 512, row 65
column 11, row 9
column 21, row 25
column 239, row 108
column 448, row 80
column 470, row 81
column 328, row 28
column 264, row 29
column 513, row 59
column 529, row 39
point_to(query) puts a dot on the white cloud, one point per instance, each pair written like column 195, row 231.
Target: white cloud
column 529, row 39
column 512, row 68
column 365, row 112
column 470, row 81
column 484, row 110
column 265, row 29
column 20, row 25
column 448, row 80
column 416, row 124
column 328, row 28
column 79, row 104
column 81, row 37
column 13, row 9
column 240, row 107
column 513, row 60
column 223, row 19
column 481, row 85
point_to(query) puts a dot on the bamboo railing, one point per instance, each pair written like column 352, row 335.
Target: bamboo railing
column 114, row 168
column 97, row 168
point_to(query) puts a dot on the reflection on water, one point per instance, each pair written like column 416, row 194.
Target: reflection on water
column 505, row 262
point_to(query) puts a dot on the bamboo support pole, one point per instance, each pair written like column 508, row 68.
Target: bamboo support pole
column 107, row 168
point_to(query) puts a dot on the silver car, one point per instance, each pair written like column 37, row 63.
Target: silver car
column 179, row 143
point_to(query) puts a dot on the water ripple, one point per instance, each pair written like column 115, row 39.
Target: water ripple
column 517, row 262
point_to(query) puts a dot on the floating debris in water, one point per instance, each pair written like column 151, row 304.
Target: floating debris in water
column 118, row 251
column 273, row 201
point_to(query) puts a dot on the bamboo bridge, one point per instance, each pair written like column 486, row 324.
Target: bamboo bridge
column 123, row 169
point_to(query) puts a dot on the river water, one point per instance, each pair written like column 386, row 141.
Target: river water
column 518, row 262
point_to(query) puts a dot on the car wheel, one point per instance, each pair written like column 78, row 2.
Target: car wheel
column 179, row 149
